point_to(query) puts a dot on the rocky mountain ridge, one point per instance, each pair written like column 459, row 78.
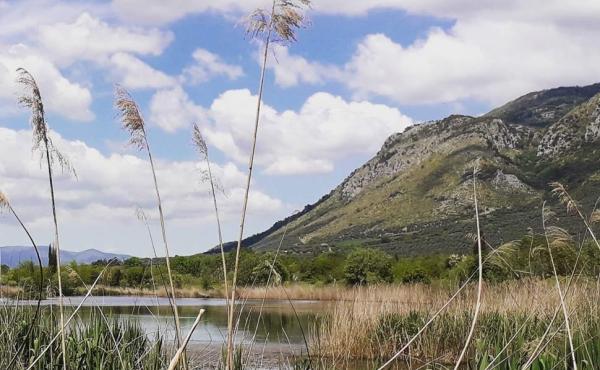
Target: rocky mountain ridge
column 415, row 195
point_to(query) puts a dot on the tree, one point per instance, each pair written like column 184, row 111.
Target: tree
column 368, row 266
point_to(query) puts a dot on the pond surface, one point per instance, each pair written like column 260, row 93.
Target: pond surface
column 270, row 331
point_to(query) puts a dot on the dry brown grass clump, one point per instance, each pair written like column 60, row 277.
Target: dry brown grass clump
column 351, row 330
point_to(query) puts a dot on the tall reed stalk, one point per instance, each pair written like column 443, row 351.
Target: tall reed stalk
column 202, row 149
column 133, row 122
column 480, row 275
column 279, row 25
column 32, row 99
column 545, row 216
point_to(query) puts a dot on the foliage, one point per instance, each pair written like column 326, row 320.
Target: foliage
column 368, row 266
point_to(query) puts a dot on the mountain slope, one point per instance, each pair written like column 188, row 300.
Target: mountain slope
column 415, row 195
column 13, row 256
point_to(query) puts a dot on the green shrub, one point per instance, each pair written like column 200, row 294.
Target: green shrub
column 368, row 266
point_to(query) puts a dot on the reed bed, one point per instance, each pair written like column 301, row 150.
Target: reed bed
column 93, row 343
column 377, row 321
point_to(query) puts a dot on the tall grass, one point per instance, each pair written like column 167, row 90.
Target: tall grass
column 32, row 99
column 379, row 321
column 90, row 343
column 277, row 25
column 133, row 122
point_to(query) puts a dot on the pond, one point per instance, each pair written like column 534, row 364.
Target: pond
column 271, row 332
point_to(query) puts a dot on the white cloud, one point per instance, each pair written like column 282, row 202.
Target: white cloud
column 478, row 59
column 61, row 96
column 133, row 73
column 290, row 70
column 172, row 110
column 160, row 12
column 89, row 38
column 108, row 189
column 208, row 65
column 325, row 129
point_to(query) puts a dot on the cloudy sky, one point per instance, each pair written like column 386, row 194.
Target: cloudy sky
column 362, row 71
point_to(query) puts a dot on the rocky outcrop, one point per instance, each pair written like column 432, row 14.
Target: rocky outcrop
column 578, row 127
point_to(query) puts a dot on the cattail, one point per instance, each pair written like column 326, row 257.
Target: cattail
column 278, row 25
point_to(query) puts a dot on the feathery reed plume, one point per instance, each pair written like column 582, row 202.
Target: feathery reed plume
column 202, row 148
column 32, row 99
column 561, row 237
column 133, row 122
column 5, row 205
column 572, row 207
column 480, row 268
column 278, row 25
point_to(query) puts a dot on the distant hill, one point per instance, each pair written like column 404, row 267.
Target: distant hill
column 415, row 195
column 13, row 256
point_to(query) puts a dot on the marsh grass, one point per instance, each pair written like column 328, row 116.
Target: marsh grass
column 90, row 343
column 381, row 320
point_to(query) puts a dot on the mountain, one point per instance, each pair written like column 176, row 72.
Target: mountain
column 415, row 196
column 13, row 256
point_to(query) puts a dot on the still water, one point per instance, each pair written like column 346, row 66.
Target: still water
column 264, row 323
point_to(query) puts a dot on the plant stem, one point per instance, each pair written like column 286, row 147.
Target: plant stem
column 57, row 248
column 480, row 282
column 230, row 333
column 167, row 257
column 560, row 292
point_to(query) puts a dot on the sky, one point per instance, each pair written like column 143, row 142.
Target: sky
column 359, row 72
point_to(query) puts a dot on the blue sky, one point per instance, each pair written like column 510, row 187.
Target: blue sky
column 361, row 71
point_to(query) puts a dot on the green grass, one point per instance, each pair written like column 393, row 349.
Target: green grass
column 93, row 343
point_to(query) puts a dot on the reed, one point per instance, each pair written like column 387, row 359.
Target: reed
column 32, row 99
column 202, row 149
column 279, row 25
column 133, row 122
column 379, row 321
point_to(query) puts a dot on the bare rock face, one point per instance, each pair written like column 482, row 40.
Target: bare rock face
column 409, row 149
column 509, row 182
column 578, row 127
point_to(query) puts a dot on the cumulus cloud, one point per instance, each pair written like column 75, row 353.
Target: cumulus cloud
column 172, row 109
column 325, row 129
column 480, row 59
column 89, row 38
column 208, row 65
column 291, row 70
column 133, row 73
column 62, row 96
column 109, row 187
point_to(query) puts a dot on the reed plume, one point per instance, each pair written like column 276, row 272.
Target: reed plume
column 133, row 122
column 32, row 99
column 278, row 25
column 202, row 149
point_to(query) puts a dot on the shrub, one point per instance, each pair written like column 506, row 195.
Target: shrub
column 368, row 266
